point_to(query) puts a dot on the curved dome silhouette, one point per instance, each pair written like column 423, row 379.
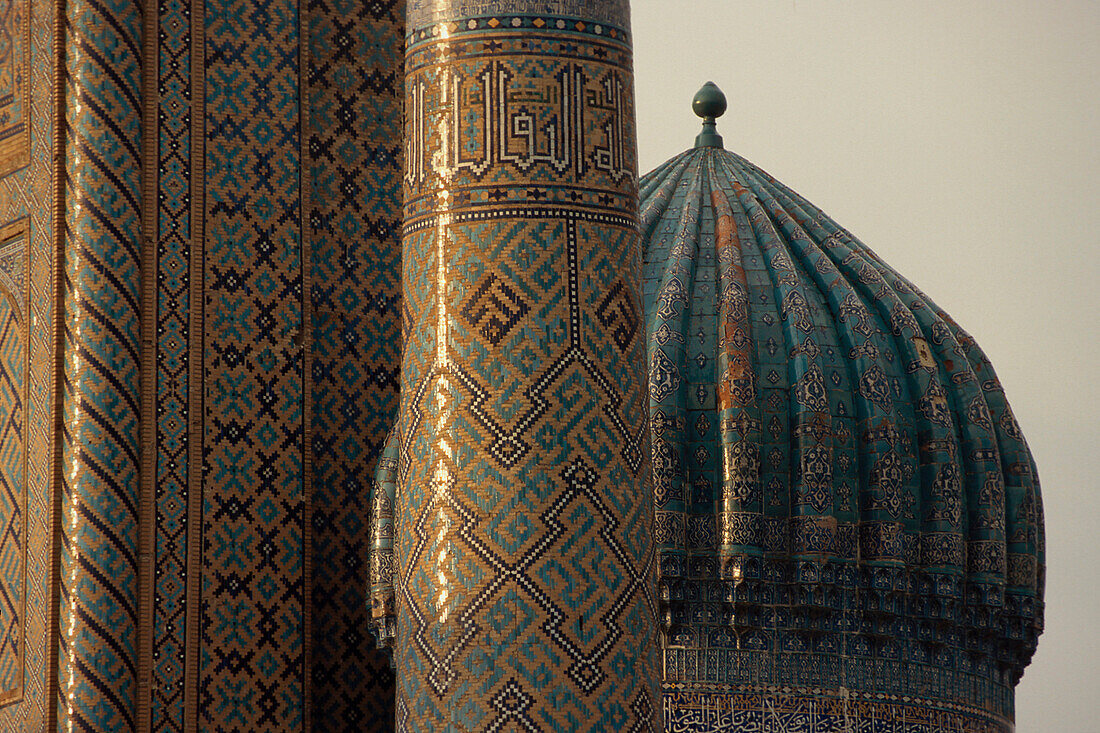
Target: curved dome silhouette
column 843, row 496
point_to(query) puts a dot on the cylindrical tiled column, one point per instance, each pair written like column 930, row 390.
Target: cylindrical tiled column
column 524, row 554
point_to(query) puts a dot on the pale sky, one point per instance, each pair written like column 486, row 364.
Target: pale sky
column 959, row 140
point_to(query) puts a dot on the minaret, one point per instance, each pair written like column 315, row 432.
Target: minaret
column 523, row 524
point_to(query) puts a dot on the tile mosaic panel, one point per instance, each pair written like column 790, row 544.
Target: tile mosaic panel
column 284, row 305
column 216, row 316
column 28, row 196
column 423, row 13
column 15, row 85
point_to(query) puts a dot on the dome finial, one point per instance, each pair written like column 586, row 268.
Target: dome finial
column 709, row 103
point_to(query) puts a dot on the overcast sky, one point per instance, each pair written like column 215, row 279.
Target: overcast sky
column 959, row 140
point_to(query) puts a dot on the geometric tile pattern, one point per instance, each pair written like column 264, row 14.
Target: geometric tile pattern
column 353, row 226
column 15, row 85
column 240, row 244
column 100, row 413
column 251, row 665
column 174, row 531
column 99, row 667
column 13, row 457
column 843, row 499
column 521, row 520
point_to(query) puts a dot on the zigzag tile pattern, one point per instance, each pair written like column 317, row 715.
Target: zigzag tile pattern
column 252, row 673
column 13, row 483
column 354, row 96
column 101, row 341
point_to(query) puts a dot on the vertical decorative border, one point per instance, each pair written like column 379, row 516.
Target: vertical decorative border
column 147, row 495
column 196, row 435
column 51, row 704
column 175, row 355
column 34, row 194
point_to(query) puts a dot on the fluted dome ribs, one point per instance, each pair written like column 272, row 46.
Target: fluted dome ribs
column 843, row 495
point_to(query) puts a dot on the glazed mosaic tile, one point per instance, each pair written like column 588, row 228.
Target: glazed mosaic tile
column 230, row 595
column 174, row 536
column 424, row 13
column 847, row 531
column 808, row 710
column 251, row 666
column 343, row 61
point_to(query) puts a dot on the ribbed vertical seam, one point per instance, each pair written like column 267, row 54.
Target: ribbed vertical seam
column 147, row 508
column 57, row 173
column 195, row 384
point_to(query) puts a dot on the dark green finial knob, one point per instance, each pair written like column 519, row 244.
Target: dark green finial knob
column 709, row 103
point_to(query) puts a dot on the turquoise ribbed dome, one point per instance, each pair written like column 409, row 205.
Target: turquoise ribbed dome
column 841, row 488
